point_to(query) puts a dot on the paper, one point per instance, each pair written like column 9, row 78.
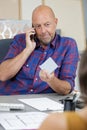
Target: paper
column 22, row 121
column 43, row 104
column 49, row 65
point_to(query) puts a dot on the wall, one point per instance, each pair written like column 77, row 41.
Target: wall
column 85, row 16
column 9, row 9
column 69, row 14
column 27, row 7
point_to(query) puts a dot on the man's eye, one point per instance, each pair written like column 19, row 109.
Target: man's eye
column 37, row 26
column 47, row 24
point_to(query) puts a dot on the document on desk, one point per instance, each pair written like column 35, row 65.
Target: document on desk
column 22, row 121
column 43, row 104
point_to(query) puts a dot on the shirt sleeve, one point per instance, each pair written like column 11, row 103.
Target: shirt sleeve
column 70, row 61
column 17, row 45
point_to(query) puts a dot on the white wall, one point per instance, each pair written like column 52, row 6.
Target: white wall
column 9, row 9
column 27, row 7
column 69, row 13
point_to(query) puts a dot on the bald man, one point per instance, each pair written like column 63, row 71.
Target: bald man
column 20, row 71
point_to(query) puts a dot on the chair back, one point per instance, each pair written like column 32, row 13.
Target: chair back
column 4, row 46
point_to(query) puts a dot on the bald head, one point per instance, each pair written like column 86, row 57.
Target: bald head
column 44, row 23
column 42, row 9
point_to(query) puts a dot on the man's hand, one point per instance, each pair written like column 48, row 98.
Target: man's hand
column 59, row 86
column 30, row 44
column 45, row 76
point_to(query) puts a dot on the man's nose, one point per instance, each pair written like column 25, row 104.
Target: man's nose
column 43, row 29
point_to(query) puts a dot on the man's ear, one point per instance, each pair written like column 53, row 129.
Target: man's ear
column 56, row 20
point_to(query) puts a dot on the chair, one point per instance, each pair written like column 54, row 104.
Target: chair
column 4, row 46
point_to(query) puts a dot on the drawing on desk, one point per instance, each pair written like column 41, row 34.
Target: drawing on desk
column 20, row 121
column 43, row 104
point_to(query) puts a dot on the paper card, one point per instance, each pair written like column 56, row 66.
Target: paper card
column 49, row 65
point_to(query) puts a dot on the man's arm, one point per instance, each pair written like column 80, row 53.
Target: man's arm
column 59, row 86
column 10, row 67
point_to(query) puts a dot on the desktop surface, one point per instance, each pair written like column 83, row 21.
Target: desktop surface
column 14, row 99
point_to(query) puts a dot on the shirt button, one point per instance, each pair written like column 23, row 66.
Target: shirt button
column 45, row 52
column 36, row 79
column 27, row 65
column 31, row 90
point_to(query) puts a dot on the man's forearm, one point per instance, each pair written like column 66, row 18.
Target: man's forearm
column 59, row 86
column 10, row 68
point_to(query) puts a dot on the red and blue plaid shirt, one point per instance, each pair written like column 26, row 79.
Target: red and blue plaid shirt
column 63, row 51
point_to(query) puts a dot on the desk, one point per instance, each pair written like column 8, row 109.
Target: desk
column 14, row 99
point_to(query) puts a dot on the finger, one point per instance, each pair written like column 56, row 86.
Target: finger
column 42, row 75
column 30, row 32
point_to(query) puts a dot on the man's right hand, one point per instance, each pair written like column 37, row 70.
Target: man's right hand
column 9, row 68
column 30, row 44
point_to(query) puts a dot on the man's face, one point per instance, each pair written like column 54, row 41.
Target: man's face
column 45, row 26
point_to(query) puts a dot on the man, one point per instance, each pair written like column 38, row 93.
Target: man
column 20, row 72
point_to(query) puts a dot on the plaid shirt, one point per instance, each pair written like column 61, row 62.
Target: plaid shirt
column 63, row 51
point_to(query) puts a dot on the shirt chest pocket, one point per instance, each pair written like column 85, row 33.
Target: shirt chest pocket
column 30, row 67
column 28, row 71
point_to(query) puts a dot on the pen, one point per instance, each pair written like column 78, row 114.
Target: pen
column 76, row 96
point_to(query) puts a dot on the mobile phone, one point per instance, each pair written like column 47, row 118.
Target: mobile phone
column 33, row 37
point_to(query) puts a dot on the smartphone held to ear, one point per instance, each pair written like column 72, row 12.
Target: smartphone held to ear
column 33, row 37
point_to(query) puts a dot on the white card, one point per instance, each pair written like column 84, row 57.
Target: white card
column 49, row 65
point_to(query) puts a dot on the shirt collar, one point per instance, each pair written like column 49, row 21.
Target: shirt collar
column 53, row 42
